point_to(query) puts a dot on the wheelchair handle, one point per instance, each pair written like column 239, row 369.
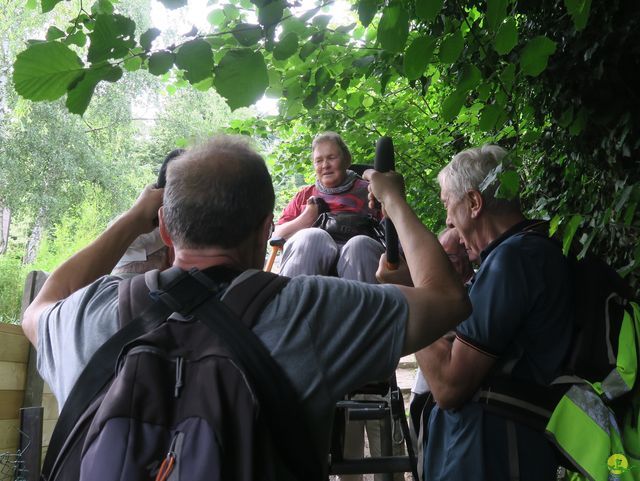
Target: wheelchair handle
column 384, row 162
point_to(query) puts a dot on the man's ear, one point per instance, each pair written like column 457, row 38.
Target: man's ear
column 162, row 227
column 476, row 203
column 267, row 227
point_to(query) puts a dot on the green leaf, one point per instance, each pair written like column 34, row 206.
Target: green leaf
column 393, row 29
column 346, row 28
column 622, row 199
column 293, row 108
column 367, row 9
column 102, row 7
column 196, row 59
column 147, row 38
column 77, row 38
column 418, row 56
column 173, row 4
column 322, row 76
column 570, row 232
column 566, row 118
column 321, row 21
column 364, row 62
column 293, row 24
column 160, row 62
column 217, row 18
column 554, row 224
column 307, row 49
column 309, row 14
column 54, row 33
column 484, row 91
column 48, row 5
column 45, row 70
column 506, row 37
column 509, row 184
column 31, row 4
column 231, row 12
column 470, row 77
column 629, row 213
column 286, row 47
column 579, row 122
column 275, row 84
column 311, row 100
column 270, row 14
column 534, row 56
column 427, row 10
column 451, row 48
column 112, row 37
column 241, row 77
column 247, row 34
column 132, row 64
column 489, row 117
column 204, row 85
column 452, row 105
column 579, row 11
column 496, row 12
column 508, row 76
column 79, row 96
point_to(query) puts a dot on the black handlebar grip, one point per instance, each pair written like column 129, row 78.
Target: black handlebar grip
column 384, row 162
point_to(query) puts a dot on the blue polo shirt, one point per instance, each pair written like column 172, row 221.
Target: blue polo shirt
column 523, row 316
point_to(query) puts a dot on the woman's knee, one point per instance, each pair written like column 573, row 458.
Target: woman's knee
column 363, row 243
column 310, row 235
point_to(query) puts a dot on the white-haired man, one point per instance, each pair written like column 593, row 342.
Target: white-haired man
column 520, row 328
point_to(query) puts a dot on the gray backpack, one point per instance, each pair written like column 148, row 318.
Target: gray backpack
column 188, row 396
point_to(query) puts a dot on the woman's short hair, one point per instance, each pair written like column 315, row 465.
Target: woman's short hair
column 217, row 194
column 330, row 136
column 470, row 169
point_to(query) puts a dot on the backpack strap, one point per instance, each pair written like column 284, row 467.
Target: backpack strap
column 246, row 296
column 95, row 377
column 280, row 402
column 250, row 292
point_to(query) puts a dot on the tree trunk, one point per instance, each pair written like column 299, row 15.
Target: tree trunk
column 33, row 243
column 5, row 223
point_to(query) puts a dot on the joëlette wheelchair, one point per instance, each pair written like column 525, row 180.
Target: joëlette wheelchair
column 387, row 406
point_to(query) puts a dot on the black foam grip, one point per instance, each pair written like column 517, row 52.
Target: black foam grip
column 384, row 162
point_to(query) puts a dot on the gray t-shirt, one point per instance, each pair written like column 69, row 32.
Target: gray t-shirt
column 330, row 335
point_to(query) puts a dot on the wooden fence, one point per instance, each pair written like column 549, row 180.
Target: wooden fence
column 25, row 402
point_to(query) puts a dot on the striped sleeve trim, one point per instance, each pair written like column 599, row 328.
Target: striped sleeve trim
column 483, row 349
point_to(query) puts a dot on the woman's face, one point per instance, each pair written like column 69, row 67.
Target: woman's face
column 329, row 164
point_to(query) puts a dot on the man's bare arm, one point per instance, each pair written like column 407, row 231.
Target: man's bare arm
column 454, row 371
column 438, row 301
column 95, row 260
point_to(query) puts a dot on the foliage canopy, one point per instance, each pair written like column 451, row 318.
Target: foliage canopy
column 549, row 79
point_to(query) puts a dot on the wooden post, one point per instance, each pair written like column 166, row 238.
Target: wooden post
column 34, row 384
column 31, row 442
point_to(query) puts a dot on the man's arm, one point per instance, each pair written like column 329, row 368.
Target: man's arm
column 438, row 301
column 454, row 371
column 95, row 260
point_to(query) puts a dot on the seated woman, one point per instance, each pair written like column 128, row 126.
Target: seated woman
column 311, row 250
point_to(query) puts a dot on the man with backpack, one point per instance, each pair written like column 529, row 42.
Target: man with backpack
column 328, row 335
column 520, row 331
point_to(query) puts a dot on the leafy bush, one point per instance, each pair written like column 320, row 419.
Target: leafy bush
column 75, row 230
column 12, row 275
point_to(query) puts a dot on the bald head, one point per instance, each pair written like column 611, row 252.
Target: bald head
column 217, row 194
column 450, row 241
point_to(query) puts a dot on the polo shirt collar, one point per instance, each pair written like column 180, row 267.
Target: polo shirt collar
column 513, row 230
